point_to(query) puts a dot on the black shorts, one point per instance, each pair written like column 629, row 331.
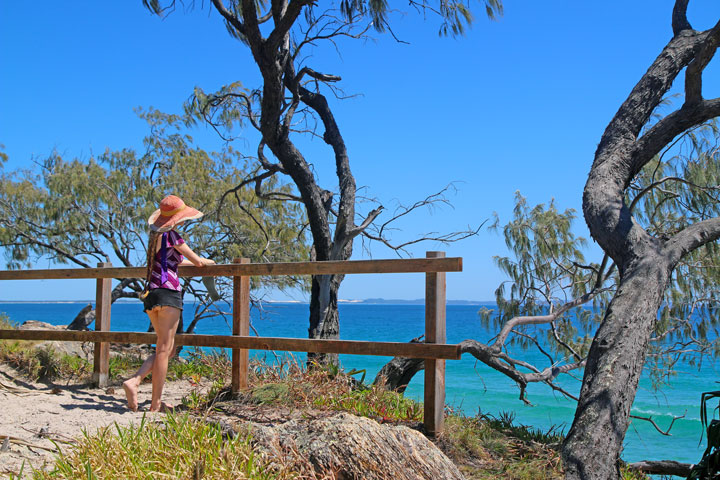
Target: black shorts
column 163, row 297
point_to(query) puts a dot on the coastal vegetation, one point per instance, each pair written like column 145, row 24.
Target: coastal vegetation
column 80, row 212
column 650, row 253
column 296, row 100
column 654, row 211
column 651, row 203
column 194, row 441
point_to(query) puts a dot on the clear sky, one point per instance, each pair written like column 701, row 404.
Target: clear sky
column 516, row 104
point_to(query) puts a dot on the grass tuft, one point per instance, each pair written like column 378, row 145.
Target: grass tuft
column 295, row 385
column 40, row 361
column 486, row 447
column 180, row 447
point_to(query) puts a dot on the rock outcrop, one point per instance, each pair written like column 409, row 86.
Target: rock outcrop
column 80, row 349
column 84, row 350
column 346, row 447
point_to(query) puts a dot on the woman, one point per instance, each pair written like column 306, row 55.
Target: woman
column 163, row 301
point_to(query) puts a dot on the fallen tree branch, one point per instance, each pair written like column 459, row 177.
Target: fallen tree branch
column 661, row 467
column 15, row 390
column 20, row 441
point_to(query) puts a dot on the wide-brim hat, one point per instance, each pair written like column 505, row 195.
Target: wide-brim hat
column 172, row 211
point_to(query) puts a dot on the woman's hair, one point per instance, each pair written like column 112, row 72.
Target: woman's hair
column 151, row 249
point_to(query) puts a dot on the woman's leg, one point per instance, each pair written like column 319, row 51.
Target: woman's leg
column 165, row 324
column 132, row 384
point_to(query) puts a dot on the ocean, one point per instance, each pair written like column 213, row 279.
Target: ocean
column 471, row 387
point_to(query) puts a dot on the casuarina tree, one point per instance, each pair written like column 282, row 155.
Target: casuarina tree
column 645, row 261
column 296, row 99
column 81, row 212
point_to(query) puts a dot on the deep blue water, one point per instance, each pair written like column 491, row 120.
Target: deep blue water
column 471, row 386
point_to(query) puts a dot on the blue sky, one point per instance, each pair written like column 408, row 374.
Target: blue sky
column 516, row 104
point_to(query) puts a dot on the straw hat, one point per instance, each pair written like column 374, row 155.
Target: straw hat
column 171, row 212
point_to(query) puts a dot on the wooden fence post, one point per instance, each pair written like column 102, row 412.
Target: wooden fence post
column 241, row 326
column 101, row 359
column 434, row 333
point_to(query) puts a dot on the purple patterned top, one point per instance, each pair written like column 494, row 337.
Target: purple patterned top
column 164, row 270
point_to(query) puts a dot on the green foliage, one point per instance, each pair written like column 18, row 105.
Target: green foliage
column 38, row 361
column 679, row 188
column 180, row 447
column 546, row 272
column 292, row 384
column 271, row 393
column 374, row 402
column 86, row 211
column 709, row 465
column 197, row 365
column 505, row 422
column 456, row 15
column 486, row 447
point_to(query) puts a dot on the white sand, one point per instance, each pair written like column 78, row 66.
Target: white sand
column 34, row 413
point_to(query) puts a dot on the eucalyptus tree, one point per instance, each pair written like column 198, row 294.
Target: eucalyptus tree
column 295, row 97
column 81, row 212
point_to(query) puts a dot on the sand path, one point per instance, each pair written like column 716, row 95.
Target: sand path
column 32, row 414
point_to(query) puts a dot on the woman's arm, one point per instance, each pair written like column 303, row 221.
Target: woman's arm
column 192, row 258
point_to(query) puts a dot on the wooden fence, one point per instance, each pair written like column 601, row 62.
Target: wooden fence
column 435, row 351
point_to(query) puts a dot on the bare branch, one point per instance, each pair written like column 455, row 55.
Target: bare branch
column 379, row 233
column 282, row 28
column 322, row 77
column 665, row 432
column 538, row 319
column 661, row 467
column 679, row 17
column 506, row 365
column 229, row 17
column 366, row 223
column 693, row 74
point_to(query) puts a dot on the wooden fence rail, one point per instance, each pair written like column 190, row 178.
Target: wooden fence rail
column 435, row 351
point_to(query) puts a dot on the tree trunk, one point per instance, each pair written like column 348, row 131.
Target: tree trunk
column 592, row 447
column 84, row 318
column 397, row 373
column 87, row 315
column 324, row 316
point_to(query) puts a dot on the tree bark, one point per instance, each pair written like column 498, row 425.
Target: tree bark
column 324, row 315
column 84, row 318
column 274, row 58
column 592, row 447
column 617, row 354
column 397, row 373
column 87, row 315
column 661, row 467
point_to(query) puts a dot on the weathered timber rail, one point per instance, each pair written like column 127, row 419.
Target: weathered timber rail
column 435, row 351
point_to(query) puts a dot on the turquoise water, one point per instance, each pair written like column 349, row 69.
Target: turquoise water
column 471, row 386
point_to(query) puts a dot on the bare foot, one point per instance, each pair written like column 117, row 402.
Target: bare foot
column 131, row 392
column 163, row 408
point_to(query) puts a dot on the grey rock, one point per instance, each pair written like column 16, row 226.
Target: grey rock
column 80, row 349
column 347, row 447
